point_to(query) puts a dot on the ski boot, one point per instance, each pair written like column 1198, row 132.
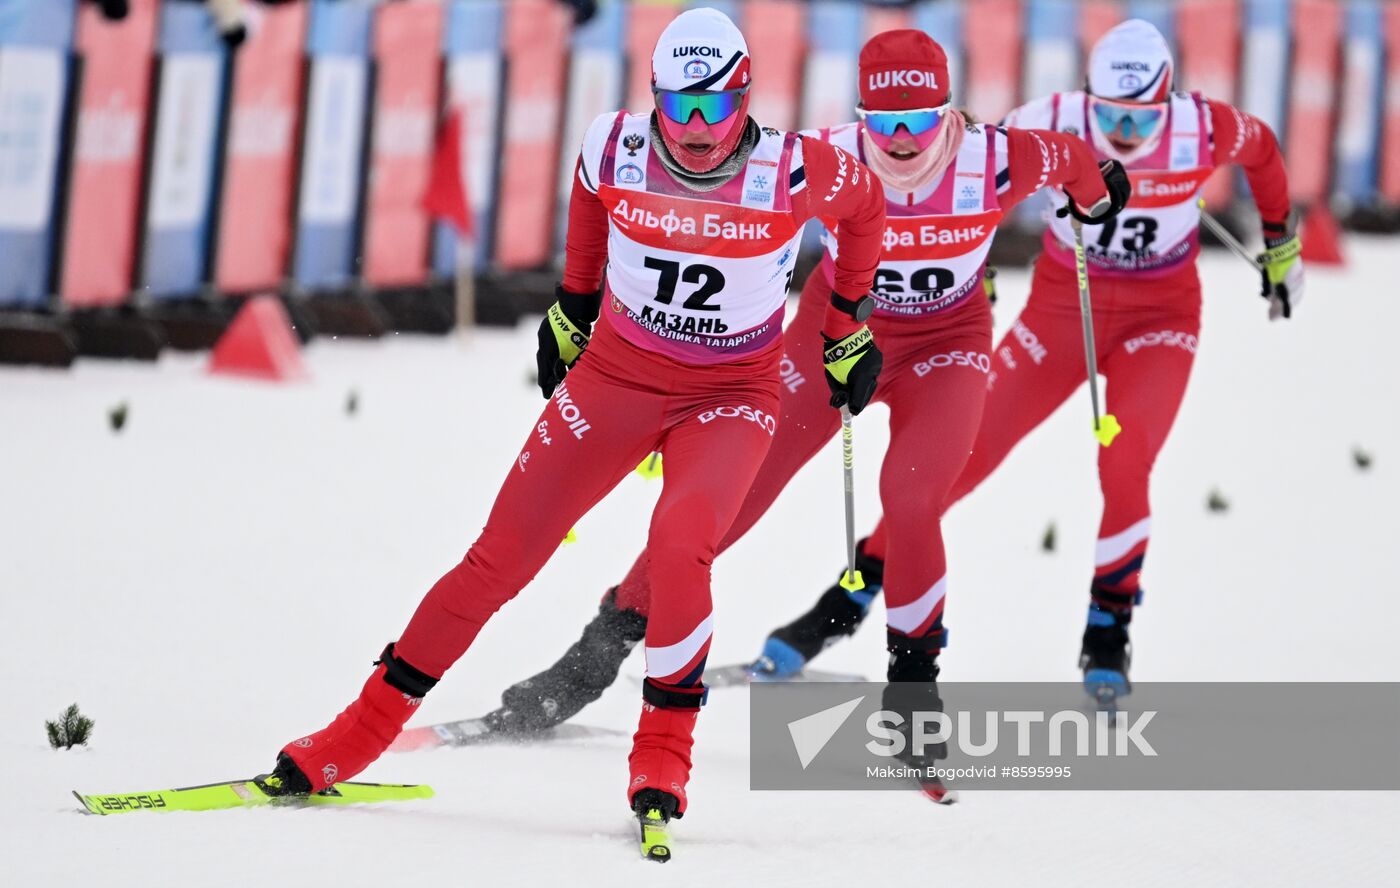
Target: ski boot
column 912, row 689
column 837, row 614
column 1106, row 655
column 576, row 679
column 361, row 732
column 286, row 779
column 654, row 809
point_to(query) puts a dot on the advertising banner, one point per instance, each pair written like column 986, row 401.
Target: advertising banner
column 332, row 144
column 1317, row 32
column 595, row 87
column 34, row 42
column 992, row 29
column 104, row 192
column 407, row 36
column 255, row 229
column 1208, row 57
column 179, row 203
column 833, row 45
column 537, row 34
column 770, row 25
column 472, row 44
column 1363, row 81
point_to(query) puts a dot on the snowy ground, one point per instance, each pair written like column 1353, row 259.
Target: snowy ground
column 215, row 579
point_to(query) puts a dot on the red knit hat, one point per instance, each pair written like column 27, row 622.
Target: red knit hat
column 903, row 69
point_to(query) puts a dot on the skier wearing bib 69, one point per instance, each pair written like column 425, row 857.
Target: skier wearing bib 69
column 1147, row 310
column 947, row 181
column 696, row 213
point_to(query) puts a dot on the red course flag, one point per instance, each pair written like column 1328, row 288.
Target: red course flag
column 446, row 197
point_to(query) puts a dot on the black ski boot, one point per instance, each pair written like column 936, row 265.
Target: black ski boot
column 1106, row 655
column 654, row 809
column 286, row 779
column 576, row 679
column 913, row 689
column 837, row 614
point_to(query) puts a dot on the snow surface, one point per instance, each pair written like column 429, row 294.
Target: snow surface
column 215, row 579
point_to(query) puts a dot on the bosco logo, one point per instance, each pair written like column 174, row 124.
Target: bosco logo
column 975, row 360
column 768, row 423
column 629, row 174
column 696, row 69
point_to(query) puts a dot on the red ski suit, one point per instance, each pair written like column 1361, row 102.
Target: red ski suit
column 696, row 380
column 937, row 347
column 1146, row 322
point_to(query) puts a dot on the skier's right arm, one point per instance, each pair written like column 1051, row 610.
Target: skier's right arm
column 566, row 327
column 839, row 189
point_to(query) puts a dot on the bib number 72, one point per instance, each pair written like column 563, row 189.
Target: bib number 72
column 710, row 279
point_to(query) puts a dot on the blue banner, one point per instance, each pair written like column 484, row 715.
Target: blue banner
column 180, row 200
column 472, row 48
column 35, row 43
column 338, row 42
column 1363, row 89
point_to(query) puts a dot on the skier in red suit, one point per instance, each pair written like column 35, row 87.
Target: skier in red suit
column 947, row 182
column 696, row 212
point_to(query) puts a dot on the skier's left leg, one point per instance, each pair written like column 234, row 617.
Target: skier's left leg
column 558, row 475
column 712, row 452
column 935, row 411
column 1146, row 372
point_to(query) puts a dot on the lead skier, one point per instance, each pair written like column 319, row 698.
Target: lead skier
column 1147, row 316
column 947, row 182
column 696, row 212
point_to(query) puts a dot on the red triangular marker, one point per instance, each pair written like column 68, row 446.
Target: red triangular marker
column 1322, row 237
column 259, row 343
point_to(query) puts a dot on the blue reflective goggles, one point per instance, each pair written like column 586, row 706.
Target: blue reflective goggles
column 918, row 121
column 713, row 106
column 1127, row 121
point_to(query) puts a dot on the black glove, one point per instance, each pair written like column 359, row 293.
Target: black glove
column 853, row 367
column 1120, row 189
column 564, row 335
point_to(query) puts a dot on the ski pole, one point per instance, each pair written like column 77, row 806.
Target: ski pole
column 1226, row 238
column 852, row 581
column 1106, row 428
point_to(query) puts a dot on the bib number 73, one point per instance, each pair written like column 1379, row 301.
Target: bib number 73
column 710, row 279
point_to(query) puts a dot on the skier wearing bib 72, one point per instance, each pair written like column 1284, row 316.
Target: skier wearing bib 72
column 696, row 213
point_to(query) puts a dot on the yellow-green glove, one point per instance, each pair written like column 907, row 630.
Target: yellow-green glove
column 563, row 335
column 853, row 367
column 1281, row 266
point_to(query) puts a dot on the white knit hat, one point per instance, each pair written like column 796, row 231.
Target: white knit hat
column 700, row 49
column 1131, row 63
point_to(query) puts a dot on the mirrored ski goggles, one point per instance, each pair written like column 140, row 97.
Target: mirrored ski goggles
column 917, row 121
column 1127, row 121
column 713, row 106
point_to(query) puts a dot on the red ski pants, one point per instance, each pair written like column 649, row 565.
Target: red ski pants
column 934, row 382
column 1145, row 333
column 714, row 424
